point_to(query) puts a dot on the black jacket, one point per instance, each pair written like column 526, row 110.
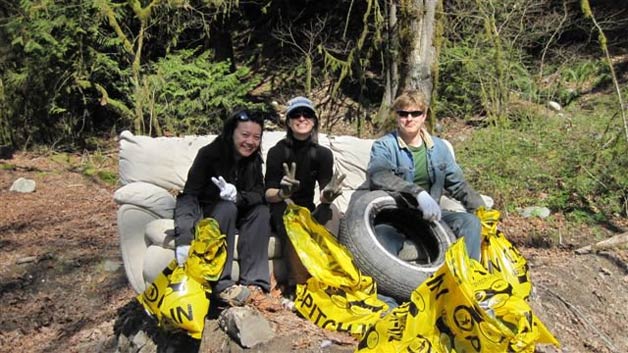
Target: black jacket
column 215, row 160
column 315, row 163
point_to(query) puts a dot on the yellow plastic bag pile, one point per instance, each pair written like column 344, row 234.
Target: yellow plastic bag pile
column 463, row 307
column 500, row 256
column 337, row 296
column 179, row 297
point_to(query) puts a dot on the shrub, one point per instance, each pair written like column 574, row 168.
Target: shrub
column 189, row 93
column 575, row 163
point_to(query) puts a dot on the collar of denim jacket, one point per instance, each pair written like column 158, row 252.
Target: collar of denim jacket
column 427, row 139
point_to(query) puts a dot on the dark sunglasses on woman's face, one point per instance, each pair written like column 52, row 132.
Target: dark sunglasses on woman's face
column 413, row 113
column 301, row 113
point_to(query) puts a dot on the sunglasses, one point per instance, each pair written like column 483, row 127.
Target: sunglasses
column 414, row 113
column 301, row 113
column 243, row 115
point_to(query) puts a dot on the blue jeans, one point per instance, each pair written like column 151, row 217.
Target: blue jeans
column 390, row 238
column 465, row 225
column 462, row 224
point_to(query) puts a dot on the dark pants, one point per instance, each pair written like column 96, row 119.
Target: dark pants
column 253, row 228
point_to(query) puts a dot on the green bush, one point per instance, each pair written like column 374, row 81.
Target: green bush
column 573, row 162
column 189, row 93
column 459, row 89
column 471, row 83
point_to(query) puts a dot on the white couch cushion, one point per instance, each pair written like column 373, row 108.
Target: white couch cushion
column 148, row 196
column 155, row 260
column 161, row 232
column 351, row 157
column 162, row 161
column 165, row 161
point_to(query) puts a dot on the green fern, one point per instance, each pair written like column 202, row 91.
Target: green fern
column 191, row 94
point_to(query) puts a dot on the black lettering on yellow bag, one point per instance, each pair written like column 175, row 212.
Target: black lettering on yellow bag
column 338, row 296
column 499, row 255
column 177, row 301
column 462, row 308
column 179, row 297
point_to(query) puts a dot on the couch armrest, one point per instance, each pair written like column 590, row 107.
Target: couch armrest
column 132, row 221
column 449, row 204
column 149, row 196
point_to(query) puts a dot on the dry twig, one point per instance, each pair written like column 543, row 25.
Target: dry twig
column 581, row 317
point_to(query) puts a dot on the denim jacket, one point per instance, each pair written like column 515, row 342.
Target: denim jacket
column 391, row 168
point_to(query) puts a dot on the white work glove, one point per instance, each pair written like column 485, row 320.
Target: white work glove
column 289, row 183
column 228, row 192
column 334, row 188
column 429, row 207
column 181, row 254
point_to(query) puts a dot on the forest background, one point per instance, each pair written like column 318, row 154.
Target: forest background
column 531, row 93
column 75, row 73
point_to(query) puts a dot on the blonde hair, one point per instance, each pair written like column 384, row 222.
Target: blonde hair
column 405, row 99
column 408, row 98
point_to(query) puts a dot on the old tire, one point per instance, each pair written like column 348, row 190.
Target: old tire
column 394, row 277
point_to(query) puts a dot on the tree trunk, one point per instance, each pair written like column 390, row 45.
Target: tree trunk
column 391, row 70
column 5, row 129
column 417, row 70
column 220, row 41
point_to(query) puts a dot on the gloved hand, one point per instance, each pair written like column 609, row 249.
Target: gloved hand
column 181, row 254
column 289, row 184
column 429, row 207
column 334, row 188
column 228, row 192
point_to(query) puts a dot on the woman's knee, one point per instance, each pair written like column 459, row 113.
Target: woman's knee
column 261, row 212
column 257, row 219
column 224, row 211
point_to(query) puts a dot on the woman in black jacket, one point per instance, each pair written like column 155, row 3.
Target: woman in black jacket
column 226, row 183
column 293, row 168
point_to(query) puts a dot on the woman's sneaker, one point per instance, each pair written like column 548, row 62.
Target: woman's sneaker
column 236, row 295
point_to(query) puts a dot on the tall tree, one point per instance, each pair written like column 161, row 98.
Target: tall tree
column 410, row 54
column 417, row 31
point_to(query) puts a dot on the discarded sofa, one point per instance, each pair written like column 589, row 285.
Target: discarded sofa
column 153, row 170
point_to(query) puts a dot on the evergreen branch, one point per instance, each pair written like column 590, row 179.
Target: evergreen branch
column 117, row 106
column 113, row 22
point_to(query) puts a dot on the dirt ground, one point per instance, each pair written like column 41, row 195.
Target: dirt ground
column 63, row 287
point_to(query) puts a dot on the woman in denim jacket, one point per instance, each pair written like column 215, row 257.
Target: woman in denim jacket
column 420, row 167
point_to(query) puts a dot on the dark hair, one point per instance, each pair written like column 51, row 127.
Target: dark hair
column 232, row 122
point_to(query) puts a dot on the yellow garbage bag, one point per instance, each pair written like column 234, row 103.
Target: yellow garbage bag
column 179, row 297
column 338, row 296
column 460, row 308
column 177, row 301
column 499, row 255
column 208, row 252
